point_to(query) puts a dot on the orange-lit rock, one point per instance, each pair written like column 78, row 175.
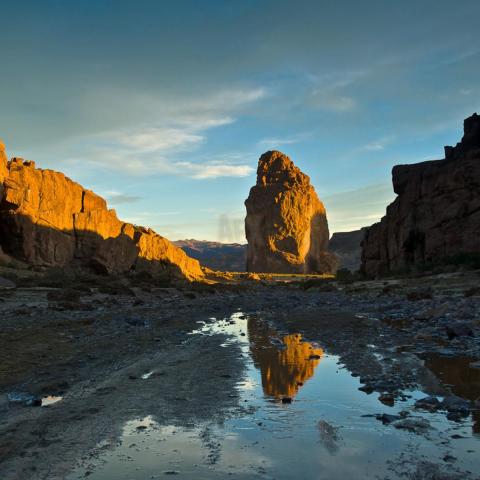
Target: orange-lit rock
column 436, row 215
column 47, row 219
column 286, row 224
column 3, row 163
column 284, row 365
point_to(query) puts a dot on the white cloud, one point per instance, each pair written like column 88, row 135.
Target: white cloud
column 160, row 139
column 204, row 171
column 177, row 127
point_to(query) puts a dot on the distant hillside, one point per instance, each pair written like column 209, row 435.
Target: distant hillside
column 217, row 256
column 347, row 246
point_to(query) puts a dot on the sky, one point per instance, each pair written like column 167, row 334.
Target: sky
column 164, row 107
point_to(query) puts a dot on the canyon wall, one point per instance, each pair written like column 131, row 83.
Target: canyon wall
column 48, row 220
column 286, row 223
column 436, row 215
column 347, row 247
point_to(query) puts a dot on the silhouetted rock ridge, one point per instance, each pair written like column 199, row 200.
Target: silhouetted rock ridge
column 436, row 216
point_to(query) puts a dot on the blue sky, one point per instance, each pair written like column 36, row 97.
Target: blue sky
column 165, row 106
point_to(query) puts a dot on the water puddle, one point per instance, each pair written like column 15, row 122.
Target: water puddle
column 50, row 400
column 306, row 419
column 29, row 400
column 458, row 374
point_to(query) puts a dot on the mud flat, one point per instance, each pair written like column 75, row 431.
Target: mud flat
column 248, row 379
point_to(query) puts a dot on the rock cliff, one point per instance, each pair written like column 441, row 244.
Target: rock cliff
column 286, row 224
column 436, row 215
column 46, row 219
column 347, row 247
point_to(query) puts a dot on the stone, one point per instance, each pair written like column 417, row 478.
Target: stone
column 458, row 330
column 286, row 224
column 415, row 425
column 428, row 403
column 48, row 220
column 387, row 418
column 436, row 215
column 6, row 284
column 387, row 399
column 452, row 403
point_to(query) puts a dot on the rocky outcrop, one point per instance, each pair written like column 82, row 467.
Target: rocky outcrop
column 347, row 247
column 225, row 257
column 286, row 224
column 46, row 219
column 436, row 216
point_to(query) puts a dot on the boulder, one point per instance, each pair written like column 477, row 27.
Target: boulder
column 436, row 215
column 46, row 219
column 286, row 223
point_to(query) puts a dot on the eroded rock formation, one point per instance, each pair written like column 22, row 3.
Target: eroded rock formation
column 46, row 219
column 436, row 216
column 286, row 224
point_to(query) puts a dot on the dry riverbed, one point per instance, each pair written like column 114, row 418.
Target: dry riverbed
column 80, row 362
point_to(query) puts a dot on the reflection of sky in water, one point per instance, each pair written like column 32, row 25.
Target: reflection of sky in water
column 286, row 441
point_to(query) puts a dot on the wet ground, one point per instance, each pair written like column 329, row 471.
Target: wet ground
column 305, row 418
column 248, row 381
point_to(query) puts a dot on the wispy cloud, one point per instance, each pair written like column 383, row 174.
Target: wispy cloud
column 157, row 146
column 332, row 101
column 379, row 144
column 353, row 209
column 272, row 142
column 117, row 198
column 202, row 171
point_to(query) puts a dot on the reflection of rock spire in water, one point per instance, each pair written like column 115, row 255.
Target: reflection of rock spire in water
column 284, row 363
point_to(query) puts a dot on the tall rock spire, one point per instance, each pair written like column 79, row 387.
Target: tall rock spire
column 286, row 224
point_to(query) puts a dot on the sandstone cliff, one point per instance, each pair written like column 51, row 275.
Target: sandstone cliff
column 286, row 224
column 46, row 219
column 436, row 215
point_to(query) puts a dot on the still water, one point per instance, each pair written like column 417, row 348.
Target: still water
column 305, row 419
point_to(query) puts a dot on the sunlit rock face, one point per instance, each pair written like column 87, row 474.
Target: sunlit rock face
column 46, row 219
column 285, row 363
column 436, row 215
column 286, row 224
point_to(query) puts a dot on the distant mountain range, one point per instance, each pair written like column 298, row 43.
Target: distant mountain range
column 230, row 257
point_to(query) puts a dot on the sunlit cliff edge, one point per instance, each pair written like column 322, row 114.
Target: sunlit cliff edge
column 48, row 220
